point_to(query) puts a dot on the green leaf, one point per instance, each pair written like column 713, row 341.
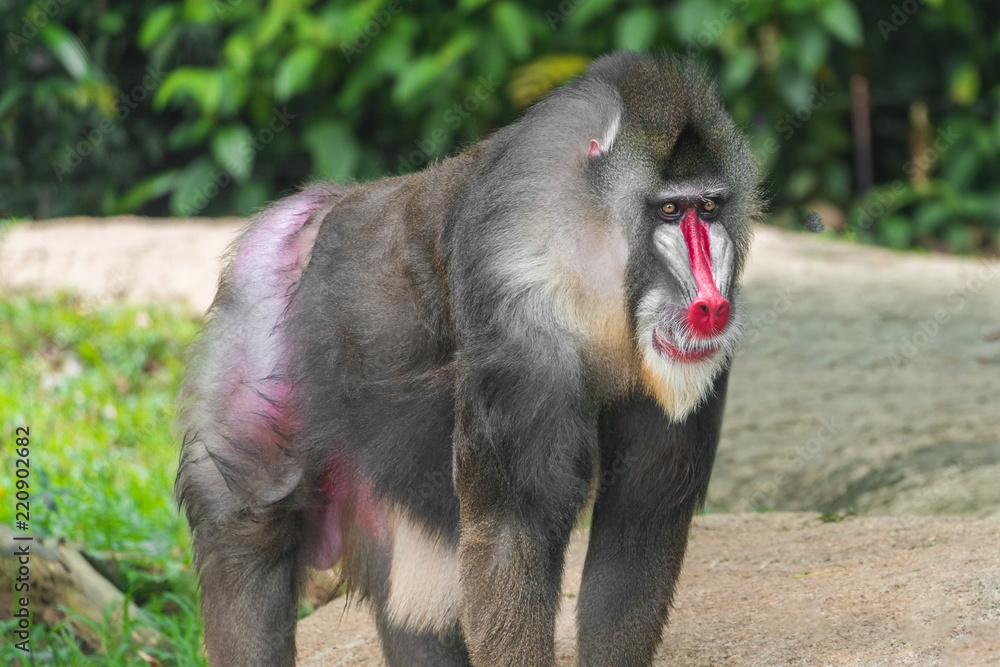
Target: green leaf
column 514, row 28
column 89, row 353
column 9, row 97
column 68, row 50
column 842, row 20
column 959, row 237
column 235, row 90
column 201, row 84
column 187, row 134
column 457, row 47
column 238, row 52
column 962, row 167
column 196, row 187
column 295, row 72
column 697, row 21
column 739, row 69
column 272, row 23
column 417, row 77
column 931, row 216
column 197, row 11
column 811, row 47
column 795, row 88
column 576, row 15
column 156, row 25
column 964, row 85
column 471, row 5
column 636, row 29
column 896, row 232
column 249, row 197
column 146, row 190
column 111, row 23
column 232, row 148
column 335, row 152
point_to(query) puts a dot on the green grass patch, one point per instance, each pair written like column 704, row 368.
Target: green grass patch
column 96, row 387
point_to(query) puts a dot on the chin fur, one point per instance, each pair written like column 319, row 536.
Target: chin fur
column 681, row 386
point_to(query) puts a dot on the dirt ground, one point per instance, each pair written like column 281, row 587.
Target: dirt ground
column 869, row 379
column 786, row 589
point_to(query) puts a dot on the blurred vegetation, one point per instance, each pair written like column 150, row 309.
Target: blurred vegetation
column 212, row 107
column 97, row 386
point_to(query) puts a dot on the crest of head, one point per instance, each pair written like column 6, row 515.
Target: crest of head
column 674, row 120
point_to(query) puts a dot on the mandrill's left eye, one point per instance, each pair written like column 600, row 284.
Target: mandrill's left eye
column 709, row 208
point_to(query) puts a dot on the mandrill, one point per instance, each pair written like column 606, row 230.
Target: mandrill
column 427, row 378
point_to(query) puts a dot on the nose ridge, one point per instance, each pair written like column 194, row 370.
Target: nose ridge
column 708, row 315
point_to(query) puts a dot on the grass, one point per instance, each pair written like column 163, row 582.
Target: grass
column 97, row 389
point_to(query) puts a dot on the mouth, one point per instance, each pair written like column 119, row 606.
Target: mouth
column 664, row 347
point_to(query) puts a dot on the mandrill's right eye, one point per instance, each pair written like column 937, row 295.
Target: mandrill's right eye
column 670, row 210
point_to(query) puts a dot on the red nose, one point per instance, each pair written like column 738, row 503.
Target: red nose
column 708, row 315
column 709, row 312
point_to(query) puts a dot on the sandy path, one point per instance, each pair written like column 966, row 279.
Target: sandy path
column 786, row 589
column 140, row 260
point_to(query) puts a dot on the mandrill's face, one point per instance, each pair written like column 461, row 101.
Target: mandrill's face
column 688, row 316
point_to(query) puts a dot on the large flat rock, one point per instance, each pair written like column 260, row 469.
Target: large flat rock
column 869, row 378
column 786, row 589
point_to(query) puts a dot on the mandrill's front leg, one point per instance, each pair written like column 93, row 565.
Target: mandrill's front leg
column 524, row 448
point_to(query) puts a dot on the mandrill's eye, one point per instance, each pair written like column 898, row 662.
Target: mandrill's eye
column 709, row 208
column 670, row 210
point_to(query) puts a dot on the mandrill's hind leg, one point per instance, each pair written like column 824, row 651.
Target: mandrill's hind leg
column 241, row 477
column 248, row 556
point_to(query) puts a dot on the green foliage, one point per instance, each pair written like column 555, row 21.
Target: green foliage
column 175, row 617
column 243, row 100
column 97, row 390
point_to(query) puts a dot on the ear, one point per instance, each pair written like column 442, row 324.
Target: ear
column 599, row 147
column 596, row 150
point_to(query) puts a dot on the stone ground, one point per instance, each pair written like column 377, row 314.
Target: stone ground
column 869, row 379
